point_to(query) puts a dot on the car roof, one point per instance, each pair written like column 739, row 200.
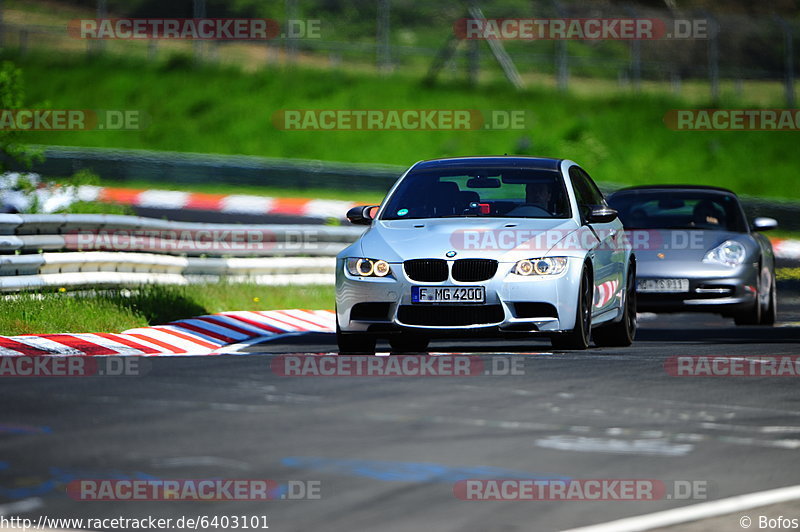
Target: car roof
column 688, row 188
column 540, row 163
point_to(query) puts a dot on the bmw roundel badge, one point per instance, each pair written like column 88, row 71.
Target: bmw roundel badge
column 450, row 254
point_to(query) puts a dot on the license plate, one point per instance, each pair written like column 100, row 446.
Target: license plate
column 665, row 286
column 449, row 294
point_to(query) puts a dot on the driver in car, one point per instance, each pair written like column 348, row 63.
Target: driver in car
column 538, row 195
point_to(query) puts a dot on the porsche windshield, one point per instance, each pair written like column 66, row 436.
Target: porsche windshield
column 479, row 192
column 668, row 209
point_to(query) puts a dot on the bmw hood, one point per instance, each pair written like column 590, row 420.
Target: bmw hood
column 503, row 239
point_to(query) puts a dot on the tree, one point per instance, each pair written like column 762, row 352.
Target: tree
column 12, row 96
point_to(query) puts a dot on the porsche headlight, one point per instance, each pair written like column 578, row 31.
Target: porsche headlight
column 541, row 266
column 363, row 267
column 730, row 253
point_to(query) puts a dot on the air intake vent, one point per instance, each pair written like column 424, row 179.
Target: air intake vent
column 450, row 315
column 535, row 310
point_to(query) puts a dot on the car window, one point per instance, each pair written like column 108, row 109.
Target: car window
column 479, row 192
column 586, row 192
column 679, row 210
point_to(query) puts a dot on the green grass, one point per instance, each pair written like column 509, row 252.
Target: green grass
column 618, row 138
column 787, row 274
column 115, row 310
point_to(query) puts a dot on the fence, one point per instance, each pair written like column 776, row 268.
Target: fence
column 406, row 35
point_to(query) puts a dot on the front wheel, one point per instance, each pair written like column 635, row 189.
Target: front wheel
column 770, row 315
column 752, row 315
column 621, row 333
column 354, row 343
column 579, row 337
column 409, row 344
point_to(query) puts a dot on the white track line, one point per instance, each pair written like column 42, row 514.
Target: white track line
column 21, row 507
column 696, row 512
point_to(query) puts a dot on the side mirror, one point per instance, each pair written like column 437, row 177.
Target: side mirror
column 361, row 215
column 601, row 214
column 764, row 224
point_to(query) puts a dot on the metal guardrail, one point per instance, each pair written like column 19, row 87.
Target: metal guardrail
column 95, row 232
column 180, row 167
column 101, row 269
column 76, row 250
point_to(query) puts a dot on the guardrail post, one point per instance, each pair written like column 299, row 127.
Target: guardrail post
column 788, row 54
column 713, row 57
column 562, row 59
column 290, row 42
column 97, row 46
column 198, row 11
column 636, row 54
column 384, row 51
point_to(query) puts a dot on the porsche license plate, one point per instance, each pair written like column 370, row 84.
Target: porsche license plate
column 665, row 286
column 448, row 294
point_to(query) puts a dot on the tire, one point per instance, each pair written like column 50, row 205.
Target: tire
column 751, row 316
column 621, row 333
column 770, row 315
column 409, row 344
column 354, row 343
column 579, row 337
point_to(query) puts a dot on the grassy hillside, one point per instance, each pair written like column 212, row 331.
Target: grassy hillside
column 224, row 110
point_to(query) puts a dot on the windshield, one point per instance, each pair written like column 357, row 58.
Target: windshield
column 664, row 209
column 479, row 192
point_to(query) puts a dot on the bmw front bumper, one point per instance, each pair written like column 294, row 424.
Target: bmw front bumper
column 513, row 303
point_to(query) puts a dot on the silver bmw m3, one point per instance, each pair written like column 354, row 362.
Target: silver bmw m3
column 488, row 246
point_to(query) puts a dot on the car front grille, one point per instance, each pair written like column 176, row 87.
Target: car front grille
column 473, row 270
column 450, row 315
column 426, row 270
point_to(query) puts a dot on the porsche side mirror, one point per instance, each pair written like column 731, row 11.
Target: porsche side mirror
column 764, row 224
column 362, row 214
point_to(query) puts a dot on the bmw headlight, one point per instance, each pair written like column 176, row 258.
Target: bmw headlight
column 541, row 266
column 730, row 253
column 363, row 267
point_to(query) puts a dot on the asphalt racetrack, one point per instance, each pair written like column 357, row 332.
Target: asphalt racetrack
column 386, row 452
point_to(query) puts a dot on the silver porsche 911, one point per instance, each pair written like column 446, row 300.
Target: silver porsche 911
column 696, row 251
column 488, row 246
